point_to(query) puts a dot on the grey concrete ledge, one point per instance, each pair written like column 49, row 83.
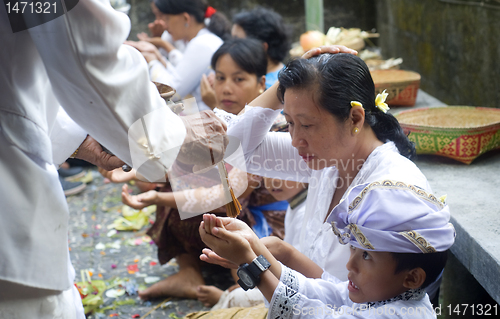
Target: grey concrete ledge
column 474, row 199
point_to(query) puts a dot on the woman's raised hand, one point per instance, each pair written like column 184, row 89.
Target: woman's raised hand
column 208, row 92
column 328, row 49
column 156, row 28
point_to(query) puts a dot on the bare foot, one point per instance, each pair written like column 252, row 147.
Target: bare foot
column 209, row 295
column 182, row 285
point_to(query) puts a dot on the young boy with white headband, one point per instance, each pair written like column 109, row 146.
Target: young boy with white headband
column 399, row 237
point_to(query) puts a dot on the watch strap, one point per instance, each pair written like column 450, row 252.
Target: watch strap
column 258, row 266
column 262, row 263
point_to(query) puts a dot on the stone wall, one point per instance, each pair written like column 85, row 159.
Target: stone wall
column 338, row 13
column 453, row 46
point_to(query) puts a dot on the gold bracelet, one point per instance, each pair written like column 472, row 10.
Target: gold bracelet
column 74, row 154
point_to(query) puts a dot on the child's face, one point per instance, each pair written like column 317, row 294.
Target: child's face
column 281, row 189
column 234, row 87
column 372, row 276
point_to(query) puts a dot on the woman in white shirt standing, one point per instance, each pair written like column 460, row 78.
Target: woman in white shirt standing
column 203, row 29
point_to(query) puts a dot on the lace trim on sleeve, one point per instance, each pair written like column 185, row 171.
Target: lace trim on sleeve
column 289, row 278
column 283, row 302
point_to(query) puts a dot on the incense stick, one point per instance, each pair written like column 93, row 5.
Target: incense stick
column 233, row 206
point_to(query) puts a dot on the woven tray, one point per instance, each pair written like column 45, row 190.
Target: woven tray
column 401, row 85
column 459, row 132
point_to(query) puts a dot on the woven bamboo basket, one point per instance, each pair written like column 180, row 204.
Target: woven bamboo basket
column 401, row 85
column 459, row 132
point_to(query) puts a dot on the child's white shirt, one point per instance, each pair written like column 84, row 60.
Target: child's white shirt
column 299, row 297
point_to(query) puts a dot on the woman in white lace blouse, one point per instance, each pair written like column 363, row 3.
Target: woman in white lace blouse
column 340, row 137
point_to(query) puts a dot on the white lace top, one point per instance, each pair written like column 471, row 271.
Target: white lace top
column 271, row 154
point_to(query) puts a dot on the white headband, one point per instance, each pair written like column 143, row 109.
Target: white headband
column 393, row 217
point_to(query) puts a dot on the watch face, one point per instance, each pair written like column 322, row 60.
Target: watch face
column 247, row 280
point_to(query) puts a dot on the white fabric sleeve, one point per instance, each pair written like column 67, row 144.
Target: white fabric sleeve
column 296, row 296
column 327, row 288
column 105, row 86
column 269, row 154
column 66, row 136
column 175, row 57
column 185, row 76
column 287, row 303
column 179, row 45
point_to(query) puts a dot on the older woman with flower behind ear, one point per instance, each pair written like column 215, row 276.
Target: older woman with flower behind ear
column 340, row 136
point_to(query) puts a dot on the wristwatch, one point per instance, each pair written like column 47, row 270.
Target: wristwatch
column 249, row 274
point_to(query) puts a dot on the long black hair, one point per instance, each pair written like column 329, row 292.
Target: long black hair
column 219, row 24
column 267, row 26
column 340, row 79
column 247, row 53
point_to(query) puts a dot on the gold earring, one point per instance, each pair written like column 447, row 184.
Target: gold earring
column 261, row 91
column 355, row 130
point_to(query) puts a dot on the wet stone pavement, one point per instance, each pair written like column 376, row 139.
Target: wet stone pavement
column 125, row 260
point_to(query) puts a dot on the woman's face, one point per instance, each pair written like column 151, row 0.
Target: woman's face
column 175, row 24
column 320, row 138
column 234, row 87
